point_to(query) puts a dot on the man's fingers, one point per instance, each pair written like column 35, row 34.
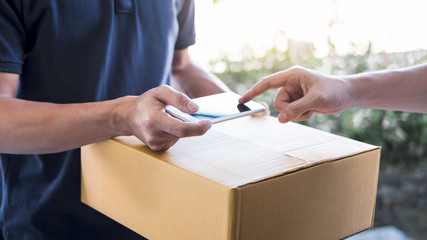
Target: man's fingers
column 180, row 129
column 300, row 109
column 273, row 81
column 282, row 99
column 166, row 132
column 170, row 96
column 163, row 145
column 189, row 129
column 305, row 116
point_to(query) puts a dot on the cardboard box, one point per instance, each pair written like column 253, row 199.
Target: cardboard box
column 250, row 178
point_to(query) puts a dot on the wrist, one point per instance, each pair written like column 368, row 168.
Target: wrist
column 119, row 115
column 355, row 90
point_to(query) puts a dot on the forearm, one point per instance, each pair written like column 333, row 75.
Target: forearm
column 33, row 128
column 195, row 82
column 402, row 89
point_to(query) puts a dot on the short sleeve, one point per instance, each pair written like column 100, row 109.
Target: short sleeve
column 187, row 34
column 12, row 37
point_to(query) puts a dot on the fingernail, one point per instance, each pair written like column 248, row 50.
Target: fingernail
column 192, row 106
column 241, row 100
column 283, row 118
column 205, row 124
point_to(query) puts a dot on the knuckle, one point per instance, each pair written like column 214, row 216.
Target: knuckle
column 265, row 83
column 261, row 84
column 321, row 98
column 181, row 99
column 150, row 140
column 155, row 91
column 163, row 88
column 149, row 122
column 294, row 110
column 293, row 107
column 179, row 132
column 296, row 70
column 153, row 143
column 277, row 105
column 191, row 131
column 300, row 119
column 198, row 131
column 155, row 147
column 305, row 116
column 149, row 92
column 263, row 80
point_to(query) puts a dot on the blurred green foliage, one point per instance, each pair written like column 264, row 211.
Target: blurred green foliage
column 402, row 135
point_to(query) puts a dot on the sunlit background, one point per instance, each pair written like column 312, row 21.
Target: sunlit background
column 348, row 25
column 242, row 41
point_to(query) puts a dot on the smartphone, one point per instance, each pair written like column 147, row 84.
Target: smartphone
column 217, row 108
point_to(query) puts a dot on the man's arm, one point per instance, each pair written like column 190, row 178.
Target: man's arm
column 191, row 79
column 28, row 127
column 402, row 89
column 33, row 127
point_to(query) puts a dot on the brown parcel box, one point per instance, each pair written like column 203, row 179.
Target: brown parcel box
column 250, row 178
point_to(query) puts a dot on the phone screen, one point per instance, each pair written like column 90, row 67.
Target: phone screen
column 217, row 111
column 223, row 105
column 217, row 108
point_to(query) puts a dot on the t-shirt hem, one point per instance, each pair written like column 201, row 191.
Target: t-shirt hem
column 184, row 45
column 11, row 67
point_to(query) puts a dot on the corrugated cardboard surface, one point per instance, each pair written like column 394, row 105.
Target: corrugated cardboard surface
column 250, row 178
column 151, row 197
column 327, row 201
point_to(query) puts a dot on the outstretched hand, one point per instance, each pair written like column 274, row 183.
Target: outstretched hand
column 301, row 92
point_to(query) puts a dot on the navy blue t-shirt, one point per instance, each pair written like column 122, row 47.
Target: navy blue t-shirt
column 74, row 51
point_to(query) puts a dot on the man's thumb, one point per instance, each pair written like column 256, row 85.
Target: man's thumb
column 177, row 99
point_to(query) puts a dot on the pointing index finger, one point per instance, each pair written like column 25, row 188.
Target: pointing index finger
column 273, row 81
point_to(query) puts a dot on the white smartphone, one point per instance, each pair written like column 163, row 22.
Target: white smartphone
column 217, row 108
